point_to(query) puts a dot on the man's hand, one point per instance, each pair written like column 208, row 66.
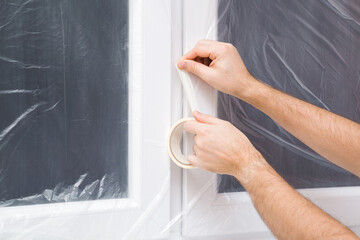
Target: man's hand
column 220, row 147
column 220, row 65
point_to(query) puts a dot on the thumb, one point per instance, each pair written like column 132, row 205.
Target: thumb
column 196, row 68
column 204, row 118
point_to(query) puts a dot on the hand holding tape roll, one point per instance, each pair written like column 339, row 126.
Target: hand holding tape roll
column 174, row 139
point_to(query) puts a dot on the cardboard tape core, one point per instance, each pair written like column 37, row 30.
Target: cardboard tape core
column 174, row 144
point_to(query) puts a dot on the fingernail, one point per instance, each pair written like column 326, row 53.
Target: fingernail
column 182, row 64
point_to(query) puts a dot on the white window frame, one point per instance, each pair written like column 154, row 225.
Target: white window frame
column 232, row 215
column 147, row 206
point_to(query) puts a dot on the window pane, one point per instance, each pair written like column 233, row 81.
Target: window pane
column 63, row 101
column 285, row 43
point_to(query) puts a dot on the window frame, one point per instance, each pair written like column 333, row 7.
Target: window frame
column 147, row 150
column 201, row 201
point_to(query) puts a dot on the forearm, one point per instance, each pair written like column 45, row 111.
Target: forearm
column 332, row 136
column 288, row 214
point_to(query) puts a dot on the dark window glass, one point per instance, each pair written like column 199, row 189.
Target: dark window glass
column 63, row 101
column 287, row 44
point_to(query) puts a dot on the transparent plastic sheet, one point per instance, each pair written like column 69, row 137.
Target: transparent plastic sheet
column 309, row 51
column 56, row 123
column 64, row 114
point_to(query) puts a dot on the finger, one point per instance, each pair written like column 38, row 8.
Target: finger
column 204, row 118
column 193, row 127
column 211, row 51
column 204, row 49
column 193, row 160
column 199, row 69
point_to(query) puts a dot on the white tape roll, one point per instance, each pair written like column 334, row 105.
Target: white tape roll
column 174, row 144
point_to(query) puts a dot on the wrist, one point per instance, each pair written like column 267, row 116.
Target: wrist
column 252, row 174
column 254, row 92
column 246, row 88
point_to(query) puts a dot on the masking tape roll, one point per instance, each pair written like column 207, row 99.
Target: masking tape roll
column 174, row 144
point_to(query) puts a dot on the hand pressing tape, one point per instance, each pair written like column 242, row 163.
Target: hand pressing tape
column 174, row 139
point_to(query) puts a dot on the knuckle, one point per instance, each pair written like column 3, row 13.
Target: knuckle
column 222, row 48
column 227, row 123
column 228, row 47
column 196, row 50
column 200, row 42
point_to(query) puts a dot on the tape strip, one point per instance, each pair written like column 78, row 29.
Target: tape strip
column 189, row 89
column 174, row 139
